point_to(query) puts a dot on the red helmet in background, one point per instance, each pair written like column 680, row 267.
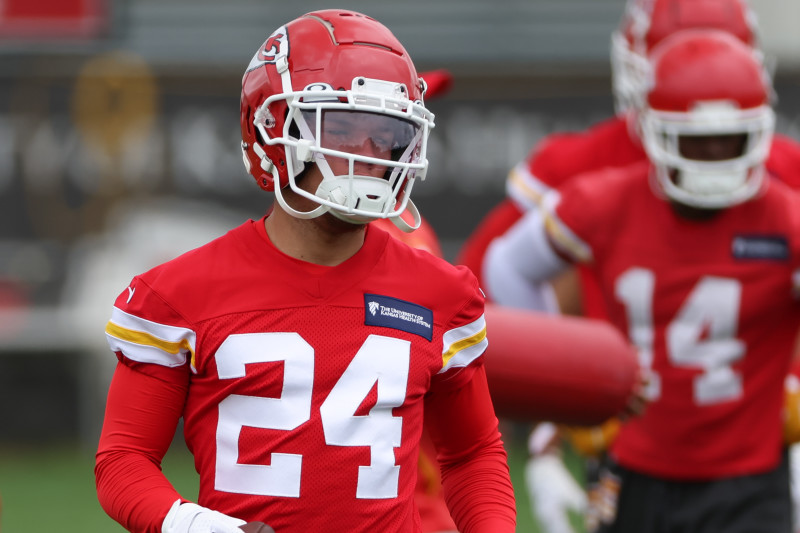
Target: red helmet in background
column 707, row 83
column 645, row 23
column 334, row 63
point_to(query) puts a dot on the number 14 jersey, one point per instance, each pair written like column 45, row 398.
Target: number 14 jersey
column 711, row 306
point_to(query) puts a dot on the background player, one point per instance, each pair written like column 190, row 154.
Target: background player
column 698, row 257
column 615, row 141
column 263, row 340
column 611, row 143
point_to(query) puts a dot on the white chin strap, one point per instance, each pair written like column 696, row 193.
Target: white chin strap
column 405, row 226
column 314, row 213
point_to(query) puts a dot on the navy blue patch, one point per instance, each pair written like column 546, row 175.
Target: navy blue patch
column 387, row 312
column 769, row 247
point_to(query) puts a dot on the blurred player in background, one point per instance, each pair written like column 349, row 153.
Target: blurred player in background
column 697, row 254
column 303, row 349
column 614, row 142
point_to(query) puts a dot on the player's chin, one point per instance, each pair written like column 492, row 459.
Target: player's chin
column 341, row 224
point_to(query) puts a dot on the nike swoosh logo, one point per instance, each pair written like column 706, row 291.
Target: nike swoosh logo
column 130, row 294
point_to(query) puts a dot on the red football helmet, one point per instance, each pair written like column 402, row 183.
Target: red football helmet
column 307, row 88
column 645, row 23
column 707, row 83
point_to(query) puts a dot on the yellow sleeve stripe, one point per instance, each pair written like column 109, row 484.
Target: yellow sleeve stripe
column 464, row 344
column 523, row 186
column 566, row 240
column 146, row 341
column 461, row 345
column 141, row 337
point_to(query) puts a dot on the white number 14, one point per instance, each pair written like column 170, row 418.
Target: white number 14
column 701, row 335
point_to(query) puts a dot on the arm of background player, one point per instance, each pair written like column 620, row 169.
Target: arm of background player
column 142, row 413
column 519, row 263
column 475, row 476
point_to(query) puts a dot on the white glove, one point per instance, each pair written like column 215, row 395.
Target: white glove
column 553, row 491
column 192, row 518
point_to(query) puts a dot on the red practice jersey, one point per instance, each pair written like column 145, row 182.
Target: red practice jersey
column 562, row 156
column 306, row 383
column 711, row 306
column 434, row 515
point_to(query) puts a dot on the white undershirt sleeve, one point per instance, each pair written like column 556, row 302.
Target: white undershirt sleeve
column 519, row 263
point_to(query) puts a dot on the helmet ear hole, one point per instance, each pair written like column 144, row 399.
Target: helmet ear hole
column 248, row 120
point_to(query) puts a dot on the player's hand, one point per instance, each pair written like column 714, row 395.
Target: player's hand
column 592, row 441
column 192, row 518
column 643, row 392
column 553, row 492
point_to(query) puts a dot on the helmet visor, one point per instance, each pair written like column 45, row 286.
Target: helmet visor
column 362, row 133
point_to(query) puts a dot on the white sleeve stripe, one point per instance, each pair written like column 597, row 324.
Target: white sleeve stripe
column 525, row 188
column 466, row 355
column 464, row 344
column 566, row 240
column 145, row 353
column 143, row 340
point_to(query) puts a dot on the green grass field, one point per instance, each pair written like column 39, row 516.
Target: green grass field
column 51, row 488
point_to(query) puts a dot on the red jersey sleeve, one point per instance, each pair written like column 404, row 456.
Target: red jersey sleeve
column 475, row 476
column 462, row 424
column 155, row 346
column 142, row 413
column 149, row 334
column 572, row 214
column 464, row 339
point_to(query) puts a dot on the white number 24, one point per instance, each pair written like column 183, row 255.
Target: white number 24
column 701, row 335
column 379, row 430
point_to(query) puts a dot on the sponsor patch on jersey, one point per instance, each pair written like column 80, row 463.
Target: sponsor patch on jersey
column 768, row 247
column 388, row 312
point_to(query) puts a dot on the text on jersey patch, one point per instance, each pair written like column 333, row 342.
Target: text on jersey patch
column 388, row 312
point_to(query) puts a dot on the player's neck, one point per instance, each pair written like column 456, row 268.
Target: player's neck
column 324, row 240
column 694, row 214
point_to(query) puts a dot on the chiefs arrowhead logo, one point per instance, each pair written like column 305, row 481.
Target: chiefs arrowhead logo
column 277, row 45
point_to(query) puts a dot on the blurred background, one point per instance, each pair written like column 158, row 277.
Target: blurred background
column 119, row 149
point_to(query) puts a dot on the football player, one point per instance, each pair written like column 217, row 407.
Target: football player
column 615, row 141
column 303, row 349
column 611, row 143
column 697, row 253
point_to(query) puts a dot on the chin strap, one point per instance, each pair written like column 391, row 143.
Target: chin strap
column 405, row 226
column 314, row 213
